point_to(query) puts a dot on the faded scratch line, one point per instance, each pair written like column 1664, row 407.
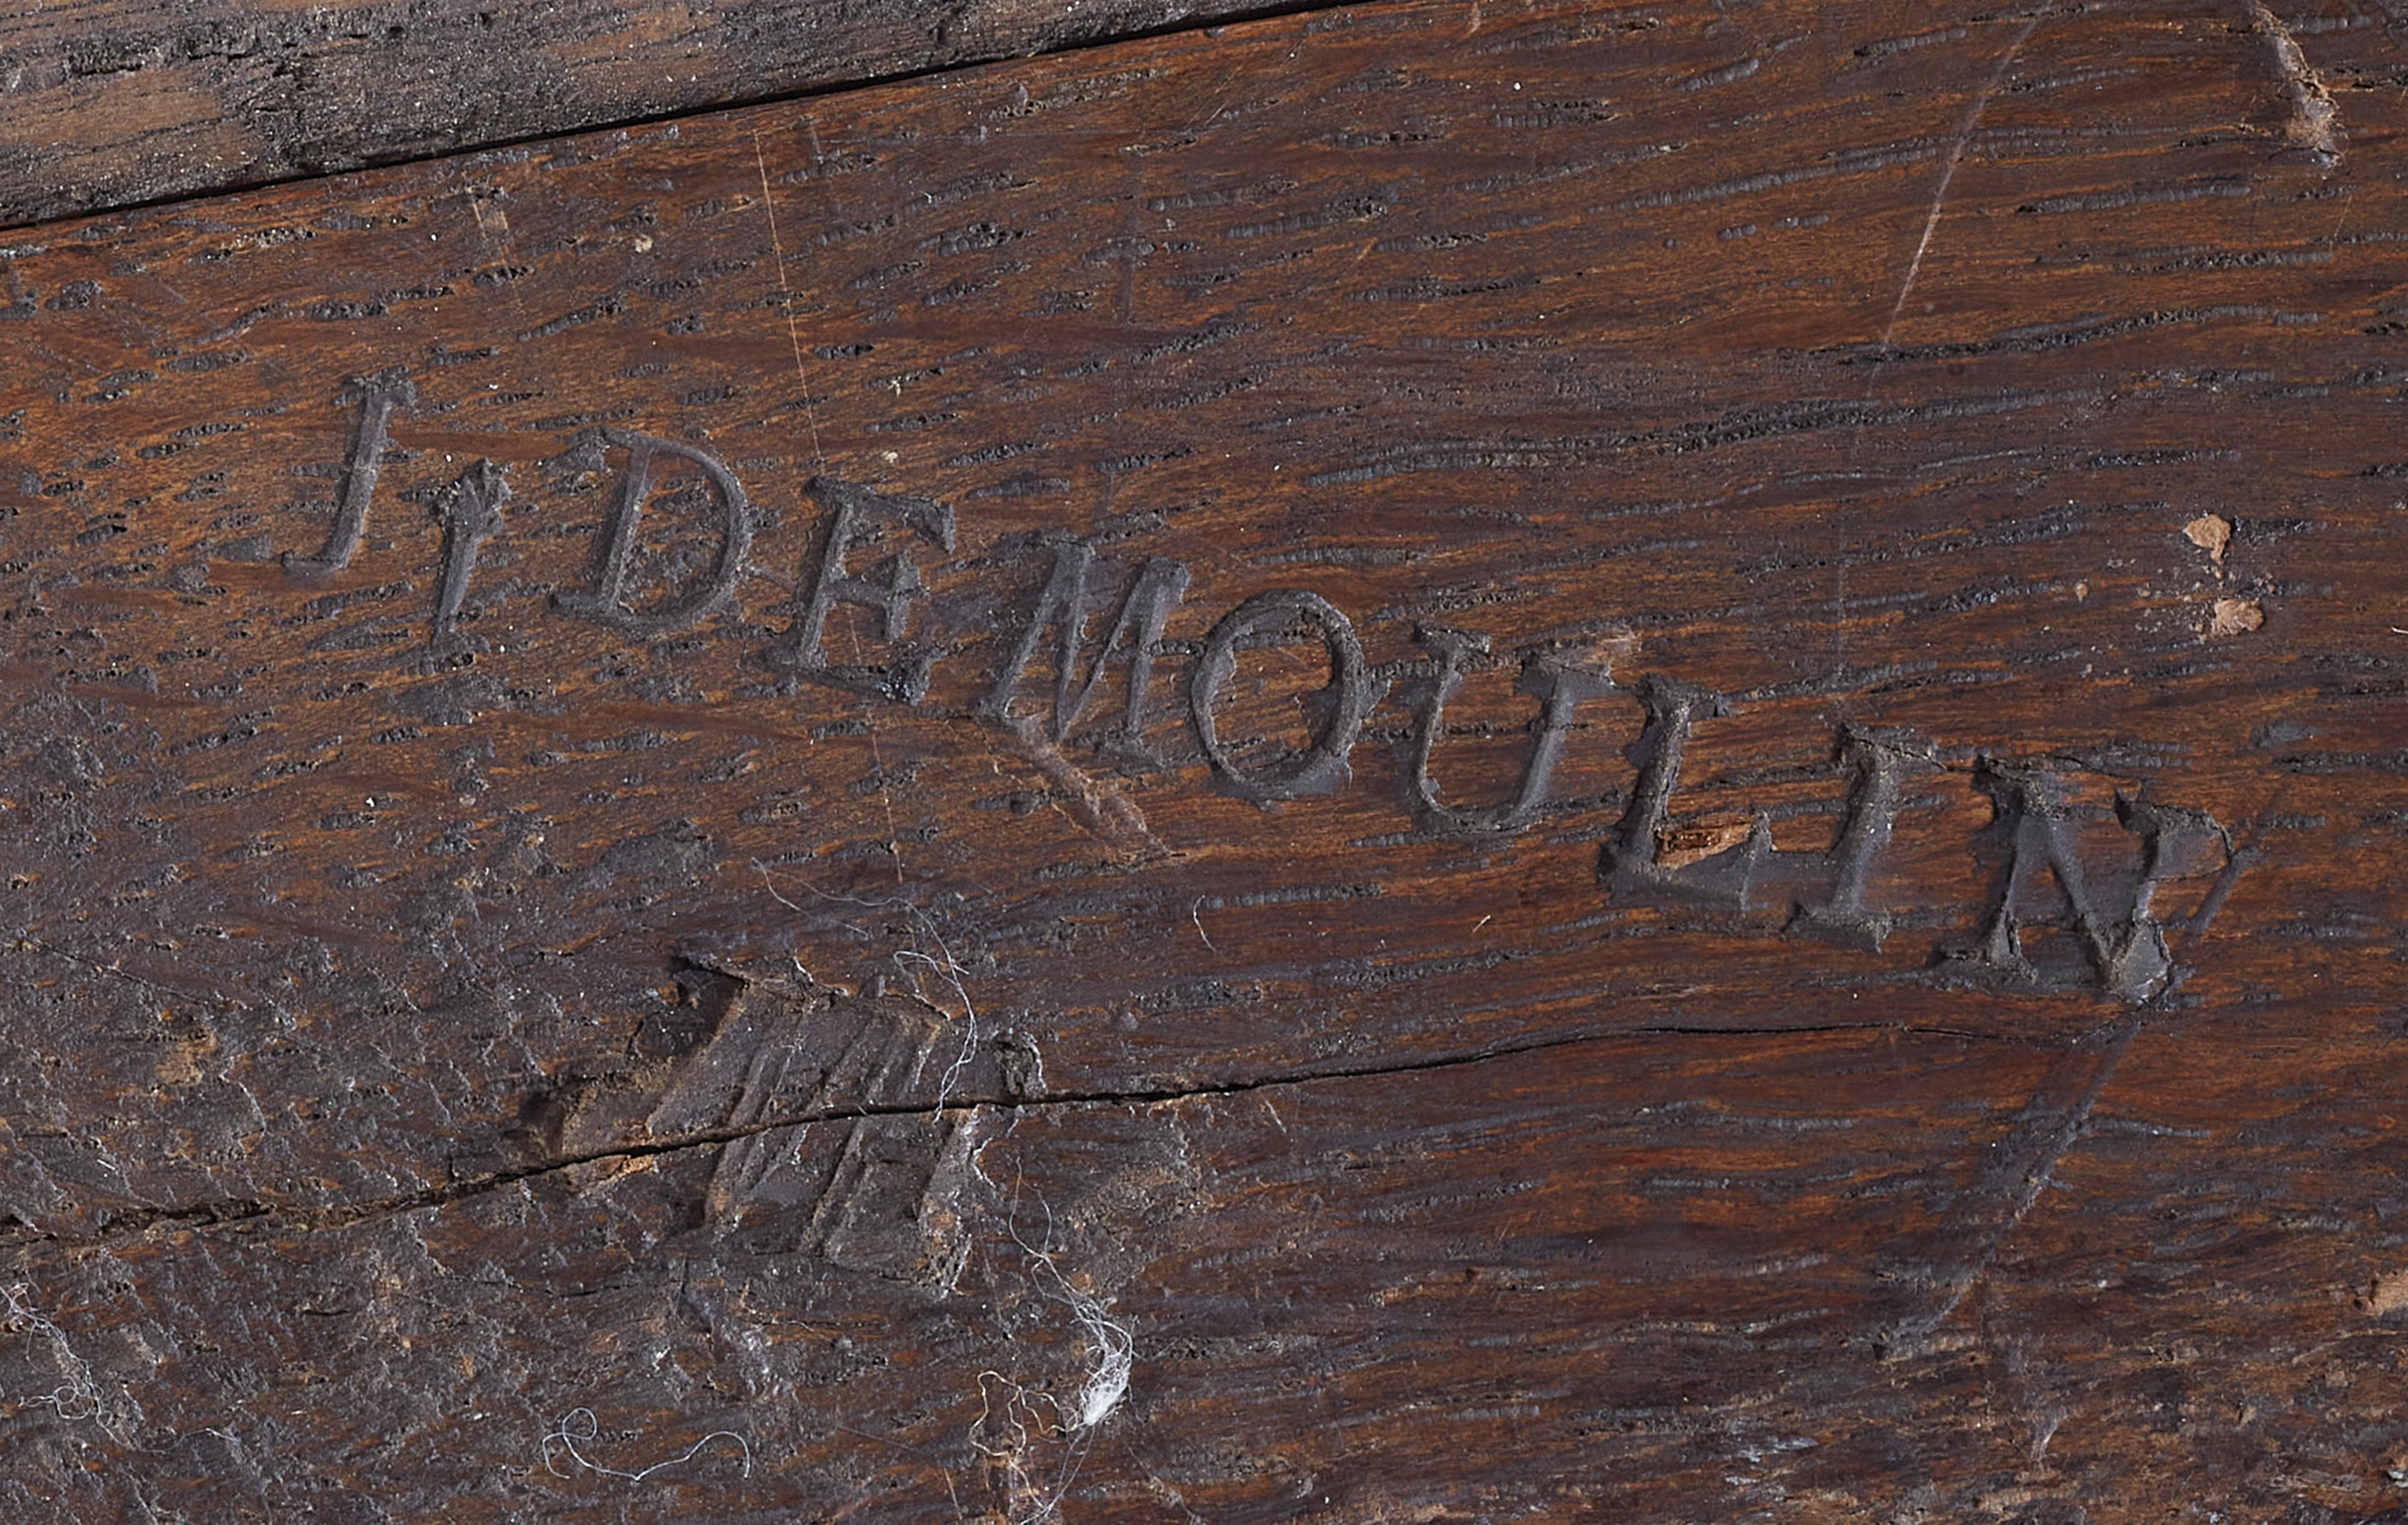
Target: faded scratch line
column 2025, row 1160
column 1949, row 173
column 819, row 455
column 1103, row 807
column 786, row 300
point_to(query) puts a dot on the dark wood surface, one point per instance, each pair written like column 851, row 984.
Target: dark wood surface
column 116, row 102
column 581, row 952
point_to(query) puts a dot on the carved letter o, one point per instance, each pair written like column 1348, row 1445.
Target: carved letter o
column 1327, row 757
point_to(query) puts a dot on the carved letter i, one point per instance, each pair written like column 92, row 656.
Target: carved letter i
column 472, row 510
column 379, row 396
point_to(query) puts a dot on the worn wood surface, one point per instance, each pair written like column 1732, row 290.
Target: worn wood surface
column 1720, row 837
column 115, row 102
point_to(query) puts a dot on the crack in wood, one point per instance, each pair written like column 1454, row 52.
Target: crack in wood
column 152, row 1224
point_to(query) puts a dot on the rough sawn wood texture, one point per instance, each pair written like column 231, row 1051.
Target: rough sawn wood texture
column 1419, row 764
column 115, row 102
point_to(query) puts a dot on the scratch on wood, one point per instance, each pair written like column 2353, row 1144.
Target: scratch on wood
column 1097, row 803
column 2019, row 1164
column 786, row 298
column 2012, row 1178
column 1949, row 173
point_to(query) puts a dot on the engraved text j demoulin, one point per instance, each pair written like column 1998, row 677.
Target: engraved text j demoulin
column 2123, row 947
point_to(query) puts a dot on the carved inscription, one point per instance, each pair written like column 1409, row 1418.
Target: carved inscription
column 866, row 554
column 1632, row 858
column 891, row 585
column 608, row 598
column 844, row 1180
column 1135, row 631
column 1879, row 761
column 2125, row 946
column 379, row 396
column 472, row 514
column 1558, row 687
column 1348, row 698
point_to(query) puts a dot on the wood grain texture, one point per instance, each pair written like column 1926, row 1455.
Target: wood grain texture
column 114, row 103
column 571, row 913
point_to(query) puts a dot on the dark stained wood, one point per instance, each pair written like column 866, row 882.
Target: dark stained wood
column 523, row 979
column 113, row 103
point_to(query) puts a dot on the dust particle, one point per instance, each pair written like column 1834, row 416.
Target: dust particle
column 2210, row 533
column 2235, row 616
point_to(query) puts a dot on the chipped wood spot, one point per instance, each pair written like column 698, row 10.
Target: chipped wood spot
column 2388, row 1294
column 1686, row 845
column 2314, row 122
column 2235, row 617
